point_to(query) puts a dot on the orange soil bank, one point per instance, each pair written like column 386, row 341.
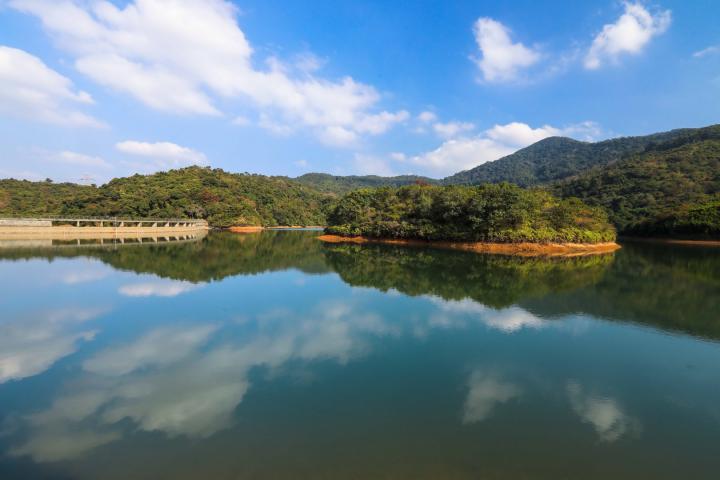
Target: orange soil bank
column 522, row 249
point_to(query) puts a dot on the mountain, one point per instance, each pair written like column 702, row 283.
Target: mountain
column 670, row 188
column 222, row 198
column 342, row 184
column 557, row 158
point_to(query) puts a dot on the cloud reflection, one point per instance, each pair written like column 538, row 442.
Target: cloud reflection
column 603, row 413
column 30, row 345
column 508, row 320
column 188, row 380
column 486, row 390
column 160, row 288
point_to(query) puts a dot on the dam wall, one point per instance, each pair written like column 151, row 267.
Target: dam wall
column 98, row 228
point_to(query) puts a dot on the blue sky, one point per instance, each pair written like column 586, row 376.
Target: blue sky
column 90, row 90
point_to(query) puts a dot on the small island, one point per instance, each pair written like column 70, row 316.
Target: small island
column 489, row 218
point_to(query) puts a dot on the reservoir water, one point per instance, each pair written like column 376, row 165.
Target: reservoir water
column 274, row 356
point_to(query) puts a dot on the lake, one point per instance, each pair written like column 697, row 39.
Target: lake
column 274, row 356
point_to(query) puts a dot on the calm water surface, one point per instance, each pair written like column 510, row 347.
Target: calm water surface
column 273, row 356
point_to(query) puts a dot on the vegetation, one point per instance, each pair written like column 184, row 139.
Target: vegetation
column 557, row 158
column 494, row 280
column 667, row 184
column 679, row 287
column 215, row 257
column 222, row 198
column 486, row 213
column 671, row 188
column 344, row 184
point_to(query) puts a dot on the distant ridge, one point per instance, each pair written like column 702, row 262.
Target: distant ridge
column 327, row 183
column 557, row 158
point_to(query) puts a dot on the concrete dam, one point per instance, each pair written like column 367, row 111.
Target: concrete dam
column 115, row 229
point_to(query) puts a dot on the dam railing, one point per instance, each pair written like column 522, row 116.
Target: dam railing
column 102, row 222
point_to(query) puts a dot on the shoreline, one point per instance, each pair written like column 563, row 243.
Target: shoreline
column 258, row 228
column 673, row 241
column 525, row 249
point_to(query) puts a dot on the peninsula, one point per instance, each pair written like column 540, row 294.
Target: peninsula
column 489, row 218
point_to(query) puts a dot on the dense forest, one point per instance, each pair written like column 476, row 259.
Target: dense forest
column 557, row 158
column 343, row 184
column 485, row 213
column 671, row 188
column 666, row 184
column 224, row 199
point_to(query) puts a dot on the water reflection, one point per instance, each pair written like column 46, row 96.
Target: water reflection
column 604, row 413
column 341, row 362
column 30, row 344
column 486, row 391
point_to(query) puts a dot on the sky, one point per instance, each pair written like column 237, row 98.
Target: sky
column 96, row 89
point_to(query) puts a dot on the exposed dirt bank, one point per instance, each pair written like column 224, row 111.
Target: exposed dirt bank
column 253, row 229
column 520, row 249
column 246, row 229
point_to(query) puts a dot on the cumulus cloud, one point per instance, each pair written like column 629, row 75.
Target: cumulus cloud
column 162, row 155
column 427, row 117
column 501, row 60
column 30, row 89
column 452, row 129
column 630, row 34
column 184, row 56
column 80, row 159
column 458, row 154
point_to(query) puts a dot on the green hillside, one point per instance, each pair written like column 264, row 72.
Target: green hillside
column 672, row 188
column 222, row 198
column 342, row 184
column 557, row 158
column 485, row 213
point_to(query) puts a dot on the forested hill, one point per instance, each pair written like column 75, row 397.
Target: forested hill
column 557, row 158
column 671, row 188
column 342, row 184
column 222, row 198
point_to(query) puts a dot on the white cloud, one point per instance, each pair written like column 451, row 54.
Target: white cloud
column 241, row 121
column 30, row 89
column 80, row 159
column 164, row 155
column 163, row 288
column 459, row 154
column 501, row 59
column 427, row 117
column 185, row 56
column 630, row 34
column 516, row 134
column 485, row 392
column 711, row 50
column 452, row 129
column 372, row 165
